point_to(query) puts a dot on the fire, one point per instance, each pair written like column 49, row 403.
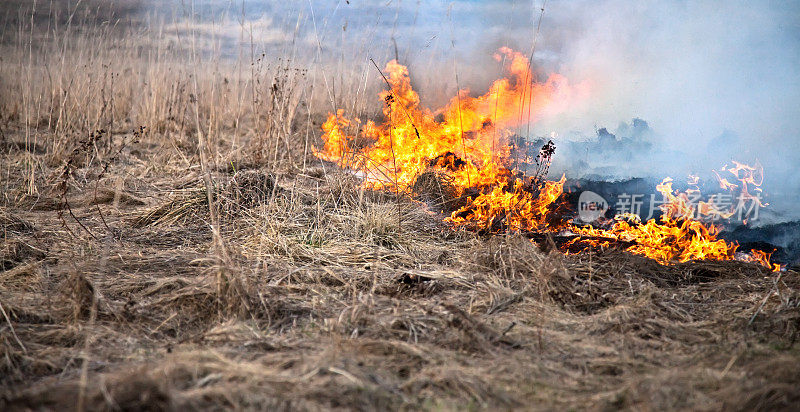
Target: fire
column 675, row 237
column 475, row 129
column 748, row 177
column 469, row 142
column 761, row 258
column 680, row 235
column 517, row 210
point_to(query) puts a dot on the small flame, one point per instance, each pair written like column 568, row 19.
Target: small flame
column 679, row 235
column 761, row 258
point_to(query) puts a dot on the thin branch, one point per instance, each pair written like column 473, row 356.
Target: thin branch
column 410, row 119
column 764, row 301
column 19, row 342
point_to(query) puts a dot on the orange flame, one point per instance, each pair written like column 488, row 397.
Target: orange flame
column 476, row 129
column 678, row 235
column 520, row 210
column 761, row 258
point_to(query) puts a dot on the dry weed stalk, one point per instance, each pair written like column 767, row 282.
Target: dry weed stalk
column 66, row 174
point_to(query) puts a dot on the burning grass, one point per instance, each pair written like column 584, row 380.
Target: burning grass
column 478, row 159
column 263, row 278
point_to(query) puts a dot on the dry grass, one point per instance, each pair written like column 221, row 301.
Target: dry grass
column 313, row 293
column 324, row 299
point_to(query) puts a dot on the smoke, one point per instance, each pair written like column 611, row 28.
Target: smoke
column 715, row 81
column 691, row 69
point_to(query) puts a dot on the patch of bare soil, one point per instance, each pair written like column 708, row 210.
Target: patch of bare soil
column 319, row 295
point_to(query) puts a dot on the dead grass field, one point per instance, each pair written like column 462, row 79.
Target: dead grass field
column 209, row 261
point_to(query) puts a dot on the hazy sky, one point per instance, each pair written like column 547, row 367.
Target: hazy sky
column 691, row 68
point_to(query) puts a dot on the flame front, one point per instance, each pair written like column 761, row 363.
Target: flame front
column 468, row 141
column 680, row 235
column 675, row 237
column 517, row 210
column 475, row 129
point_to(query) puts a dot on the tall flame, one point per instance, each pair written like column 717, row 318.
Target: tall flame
column 476, row 129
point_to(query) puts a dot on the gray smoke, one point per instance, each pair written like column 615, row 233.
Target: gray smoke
column 716, row 81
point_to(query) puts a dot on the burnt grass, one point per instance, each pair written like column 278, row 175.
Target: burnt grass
column 316, row 294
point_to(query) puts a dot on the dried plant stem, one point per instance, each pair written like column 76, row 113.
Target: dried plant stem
column 460, row 121
column 766, row 297
column 394, row 166
column 84, row 376
column 458, row 90
column 410, row 119
column 202, row 149
column 530, row 66
column 11, row 327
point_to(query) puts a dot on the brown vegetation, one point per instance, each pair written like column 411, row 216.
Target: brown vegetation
column 208, row 261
